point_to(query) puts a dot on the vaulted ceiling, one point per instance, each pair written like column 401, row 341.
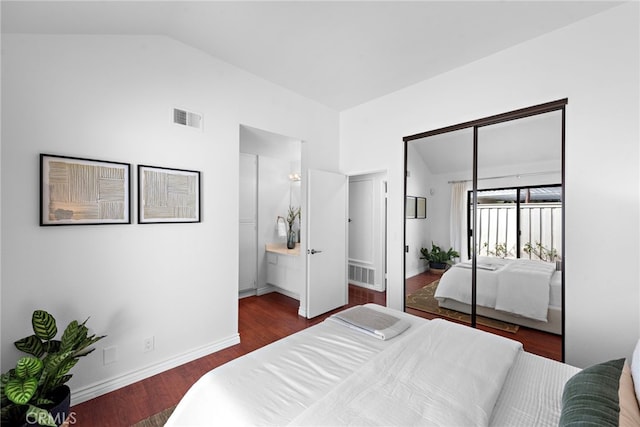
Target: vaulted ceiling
column 339, row 53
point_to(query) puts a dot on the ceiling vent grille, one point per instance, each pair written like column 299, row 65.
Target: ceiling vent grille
column 187, row 118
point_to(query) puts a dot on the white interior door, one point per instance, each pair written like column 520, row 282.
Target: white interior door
column 327, row 286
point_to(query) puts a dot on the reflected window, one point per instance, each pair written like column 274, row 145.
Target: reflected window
column 517, row 222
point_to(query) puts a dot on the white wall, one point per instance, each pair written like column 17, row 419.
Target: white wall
column 595, row 64
column 111, row 98
column 419, row 231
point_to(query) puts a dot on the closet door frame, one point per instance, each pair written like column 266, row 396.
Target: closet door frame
column 558, row 105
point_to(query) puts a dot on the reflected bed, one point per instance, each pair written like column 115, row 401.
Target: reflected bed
column 520, row 291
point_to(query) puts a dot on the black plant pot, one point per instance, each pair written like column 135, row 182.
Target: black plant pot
column 59, row 410
column 438, row 265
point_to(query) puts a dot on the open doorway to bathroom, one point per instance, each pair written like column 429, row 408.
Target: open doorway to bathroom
column 368, row 233
column 269, row 184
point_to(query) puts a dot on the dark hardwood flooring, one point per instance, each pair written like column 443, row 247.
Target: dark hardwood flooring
column 262, row 320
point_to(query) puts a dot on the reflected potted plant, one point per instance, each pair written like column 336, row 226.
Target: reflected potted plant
column 34, row 392
column 541, row 252
column 438, row 259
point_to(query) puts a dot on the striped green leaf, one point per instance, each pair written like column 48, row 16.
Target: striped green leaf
column 31, row 345
column 52, row 346
column 74, row 334
column 28, row 367
column 44, row 325
column 20, row 391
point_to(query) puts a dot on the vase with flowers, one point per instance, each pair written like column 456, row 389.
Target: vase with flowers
column 294, row 213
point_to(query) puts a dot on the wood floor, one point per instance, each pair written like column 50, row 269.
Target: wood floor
column 262, row 320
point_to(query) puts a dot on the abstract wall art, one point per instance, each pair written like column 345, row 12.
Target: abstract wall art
column 168, row 195
column 77, row 191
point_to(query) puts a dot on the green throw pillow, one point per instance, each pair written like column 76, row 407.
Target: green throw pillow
column 590, row 397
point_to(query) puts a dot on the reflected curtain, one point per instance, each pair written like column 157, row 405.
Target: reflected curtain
column 458, row 224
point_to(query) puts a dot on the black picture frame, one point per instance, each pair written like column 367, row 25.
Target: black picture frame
column 168, row 195
column 421, row 207
column 82, row 191
column 410, row 207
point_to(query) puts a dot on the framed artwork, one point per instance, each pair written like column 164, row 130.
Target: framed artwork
column 421, row 207
column 168, row 195
column 410, row 207
column 77, row 191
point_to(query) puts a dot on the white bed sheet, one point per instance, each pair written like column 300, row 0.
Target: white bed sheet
column 495, row 281
column 450, row 376
column 277, row 383
column 273, row 384
column 532, row 393
column 555, row 290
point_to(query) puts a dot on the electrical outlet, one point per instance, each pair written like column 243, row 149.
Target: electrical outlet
column 148, row 344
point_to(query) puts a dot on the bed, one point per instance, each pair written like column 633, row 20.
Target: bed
column 520, row 291
column 414, row 372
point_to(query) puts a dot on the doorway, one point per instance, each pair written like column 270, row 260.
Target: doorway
column 367, row 231
column 270, row 167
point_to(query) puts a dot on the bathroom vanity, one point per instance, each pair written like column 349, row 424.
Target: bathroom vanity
column 284, row 268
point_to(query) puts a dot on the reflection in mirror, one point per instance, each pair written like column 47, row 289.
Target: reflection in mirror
column 433, row 163
column 518, row 231
column 443, row 159
column 517, row 234
column 410, row 207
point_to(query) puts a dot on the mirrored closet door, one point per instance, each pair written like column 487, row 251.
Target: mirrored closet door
column 494, row 192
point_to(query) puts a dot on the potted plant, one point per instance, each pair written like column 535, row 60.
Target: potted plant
column 34, row 392
column 437, row 258
column 541, row 252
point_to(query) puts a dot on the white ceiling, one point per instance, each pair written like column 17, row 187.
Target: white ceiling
column 339, row 53
column 534, row 140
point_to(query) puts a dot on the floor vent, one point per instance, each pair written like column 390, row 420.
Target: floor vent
column 187, row 118
column 362, row 274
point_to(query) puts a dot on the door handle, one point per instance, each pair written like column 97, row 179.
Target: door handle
column 313, row 251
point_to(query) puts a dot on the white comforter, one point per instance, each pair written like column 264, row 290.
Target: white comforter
column 523, row 288
column 452, row 376
column 517, row 286
column 436, row 372
column 433, row 373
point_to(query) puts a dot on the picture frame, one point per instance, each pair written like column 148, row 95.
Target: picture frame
column 410, row 207
column 81, row 191
column 421, row 207
column 167, row 195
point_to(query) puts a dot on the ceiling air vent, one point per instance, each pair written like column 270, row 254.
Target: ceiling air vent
column 187, row 118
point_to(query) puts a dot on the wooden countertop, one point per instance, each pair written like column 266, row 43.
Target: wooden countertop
column 281, row 249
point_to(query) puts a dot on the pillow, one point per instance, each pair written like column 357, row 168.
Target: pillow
column 635, row 369
column 590, row 397
column 629, row 410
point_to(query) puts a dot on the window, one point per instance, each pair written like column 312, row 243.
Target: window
column 518, row 222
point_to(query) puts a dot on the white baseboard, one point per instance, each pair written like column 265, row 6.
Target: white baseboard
column 378, row 287
column 411, row 273
column 98, row 389
column 302, row 311
column 265, row 290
